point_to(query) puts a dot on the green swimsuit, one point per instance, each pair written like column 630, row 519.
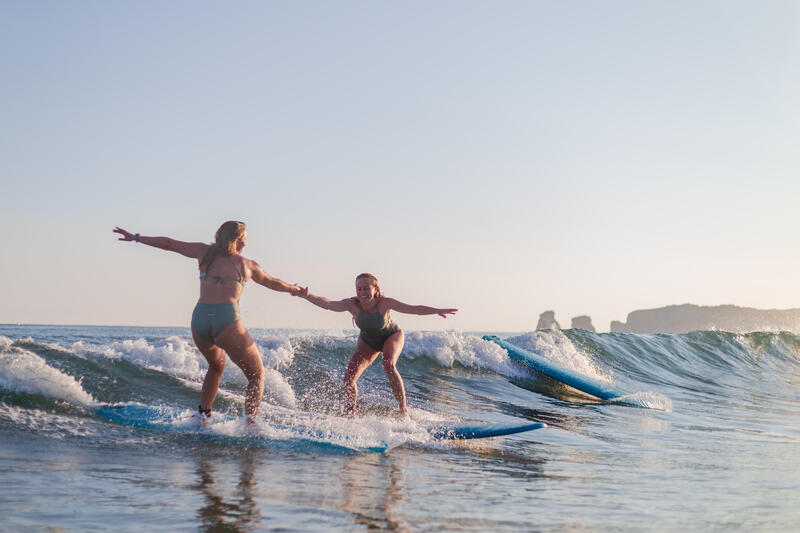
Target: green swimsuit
column 375, row 328
column 209, row 320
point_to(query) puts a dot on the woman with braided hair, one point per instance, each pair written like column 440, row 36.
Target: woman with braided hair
column 217, row 328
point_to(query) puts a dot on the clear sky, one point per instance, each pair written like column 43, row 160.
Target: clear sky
column 503, row 157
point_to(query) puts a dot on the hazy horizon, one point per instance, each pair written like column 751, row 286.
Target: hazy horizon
column 564, row 324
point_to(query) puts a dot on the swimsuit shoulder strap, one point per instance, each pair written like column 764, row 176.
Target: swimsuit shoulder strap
column 241, row 277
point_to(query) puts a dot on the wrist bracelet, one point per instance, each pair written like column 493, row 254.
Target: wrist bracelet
column 136, row 237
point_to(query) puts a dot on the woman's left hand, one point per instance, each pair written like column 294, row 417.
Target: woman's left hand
column 444, row 312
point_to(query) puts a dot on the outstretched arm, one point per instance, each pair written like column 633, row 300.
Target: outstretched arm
column 194, row 250
column 331, row 305
column 401, row 307
column 262, row 278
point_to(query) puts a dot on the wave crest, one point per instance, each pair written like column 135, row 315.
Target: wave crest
column 24, row 371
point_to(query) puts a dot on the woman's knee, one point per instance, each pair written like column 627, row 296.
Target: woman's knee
column 388, row 364
column 216, row 362
column 255, row 371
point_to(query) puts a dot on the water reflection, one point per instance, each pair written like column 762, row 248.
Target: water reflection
column 374, row 492
column 234, row 512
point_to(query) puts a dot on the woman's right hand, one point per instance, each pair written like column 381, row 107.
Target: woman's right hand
column 126, row 235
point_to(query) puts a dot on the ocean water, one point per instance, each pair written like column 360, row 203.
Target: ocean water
column 717, row 446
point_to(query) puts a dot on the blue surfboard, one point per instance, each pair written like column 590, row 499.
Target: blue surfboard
column 557, row 372
column 457, row 432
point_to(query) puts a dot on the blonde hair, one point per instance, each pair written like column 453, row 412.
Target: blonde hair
column 374, row 280
column 225, row 242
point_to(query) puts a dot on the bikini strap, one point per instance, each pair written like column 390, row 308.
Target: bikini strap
column 241, row 278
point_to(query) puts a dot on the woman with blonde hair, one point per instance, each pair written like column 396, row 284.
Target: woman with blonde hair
column 217, row 327
column 370, row 309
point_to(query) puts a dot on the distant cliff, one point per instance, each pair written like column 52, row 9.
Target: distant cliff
column 689, row 317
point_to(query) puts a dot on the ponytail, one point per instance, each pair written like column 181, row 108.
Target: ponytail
column 224, row 244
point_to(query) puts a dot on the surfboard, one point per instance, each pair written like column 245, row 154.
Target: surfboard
column 458, row 432
column 557, row 372
column 226, row 429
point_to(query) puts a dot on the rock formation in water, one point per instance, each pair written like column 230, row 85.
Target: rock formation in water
column 689, row 317
column 547, row 320
column 583, row 322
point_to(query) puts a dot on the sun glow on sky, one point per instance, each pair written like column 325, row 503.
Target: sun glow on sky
column 503, row 158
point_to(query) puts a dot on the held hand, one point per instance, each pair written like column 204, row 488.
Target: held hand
column 126, row 235
column 301, row 292
column 444, row 312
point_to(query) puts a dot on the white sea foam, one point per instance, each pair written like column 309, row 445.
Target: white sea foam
column 648, row 400
column 174, row 355
column 553, row 345
column 24, row 371
column 275, row 385
column 450, row 347
column 342, row 430
column 283, row 424
column 277, row 351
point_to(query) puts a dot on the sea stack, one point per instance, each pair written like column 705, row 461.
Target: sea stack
column 547, row 320
column 583, row 322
